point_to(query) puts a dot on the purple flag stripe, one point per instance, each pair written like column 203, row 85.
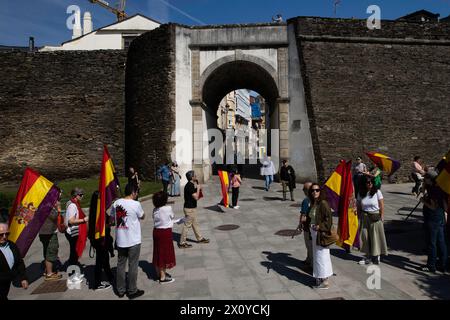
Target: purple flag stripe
column 30, row 232
column 332, row 198
column 110, row 193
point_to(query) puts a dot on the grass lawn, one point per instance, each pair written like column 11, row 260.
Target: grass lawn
column 8, row 193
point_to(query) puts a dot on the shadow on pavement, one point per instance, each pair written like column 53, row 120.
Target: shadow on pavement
column 397, row 192
column 258, row 188
column 282, row 263
column 272, row 198
column 342, row 254
column 148, row 269
column 215, row 208
column 34, row 271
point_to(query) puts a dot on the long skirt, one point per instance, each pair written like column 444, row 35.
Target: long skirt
column 373, row 239
column 163, row 251
column 322, row 267
column 175, row 186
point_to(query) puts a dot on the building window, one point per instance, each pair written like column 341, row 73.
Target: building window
column 127, row 41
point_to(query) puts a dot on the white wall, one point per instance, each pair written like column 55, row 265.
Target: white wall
column 183, row 93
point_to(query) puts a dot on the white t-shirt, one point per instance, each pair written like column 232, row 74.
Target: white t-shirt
column 370, row 204
column 127, row 213
column 163, row 217
column 71, row 211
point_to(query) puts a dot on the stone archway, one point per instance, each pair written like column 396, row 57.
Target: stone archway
column 230, row 73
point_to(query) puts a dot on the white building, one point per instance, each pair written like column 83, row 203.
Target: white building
column 115, row 36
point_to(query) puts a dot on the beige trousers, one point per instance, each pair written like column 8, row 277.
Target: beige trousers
column 191, row 222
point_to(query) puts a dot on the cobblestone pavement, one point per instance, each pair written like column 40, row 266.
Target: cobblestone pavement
column 252, row 262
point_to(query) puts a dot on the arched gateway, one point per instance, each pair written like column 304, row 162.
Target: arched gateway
column 203, row 65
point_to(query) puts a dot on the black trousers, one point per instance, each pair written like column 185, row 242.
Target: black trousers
column 73, row 258
column 101, row 263
column 234, row 196
column 4, row 289
column 165, row 185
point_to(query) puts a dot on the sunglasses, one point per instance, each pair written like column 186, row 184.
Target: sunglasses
column 315, row 190
column 4, row 234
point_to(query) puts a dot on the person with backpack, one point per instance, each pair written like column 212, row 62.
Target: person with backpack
column 101, row 247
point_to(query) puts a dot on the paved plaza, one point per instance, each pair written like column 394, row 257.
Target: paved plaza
column 253, row 262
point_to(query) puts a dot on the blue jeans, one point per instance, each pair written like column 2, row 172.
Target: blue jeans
column 269, row 180
column 436, row 226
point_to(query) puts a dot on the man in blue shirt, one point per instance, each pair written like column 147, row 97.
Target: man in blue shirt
column 304, row 223
column 164, row 175
column 11, row 263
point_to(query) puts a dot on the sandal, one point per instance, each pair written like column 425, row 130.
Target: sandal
column 428, row 269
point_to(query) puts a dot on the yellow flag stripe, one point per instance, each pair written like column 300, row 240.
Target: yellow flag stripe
column 34, row 196
column 443, row 181
column 109, row 172
column 334, row 183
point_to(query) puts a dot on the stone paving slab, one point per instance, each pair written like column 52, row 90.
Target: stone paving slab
column 252, row 262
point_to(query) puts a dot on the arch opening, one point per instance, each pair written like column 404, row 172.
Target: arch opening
column 241, row 80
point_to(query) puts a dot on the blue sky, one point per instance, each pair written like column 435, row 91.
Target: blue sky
column 46, row 19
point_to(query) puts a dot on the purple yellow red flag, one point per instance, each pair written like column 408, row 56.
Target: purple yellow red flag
column 33, row 203
column 341, row 198
column 107, row 187
column 223, row 175
column 385, row 163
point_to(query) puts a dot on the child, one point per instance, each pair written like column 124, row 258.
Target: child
column 235, row 184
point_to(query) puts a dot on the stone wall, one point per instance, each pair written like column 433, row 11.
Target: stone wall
column 150, row 100
column 387, row 94
column 57, row 109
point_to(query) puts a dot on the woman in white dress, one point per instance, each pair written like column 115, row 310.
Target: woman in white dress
column 321, row 221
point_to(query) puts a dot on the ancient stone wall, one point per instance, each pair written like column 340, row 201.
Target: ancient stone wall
column 57, row 109
column 150, row 100
column 388, row 94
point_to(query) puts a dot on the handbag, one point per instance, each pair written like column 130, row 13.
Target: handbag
column 326, row 239
column 373, row 216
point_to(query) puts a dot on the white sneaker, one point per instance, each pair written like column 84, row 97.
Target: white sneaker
column 236, row 207
column 365, row 261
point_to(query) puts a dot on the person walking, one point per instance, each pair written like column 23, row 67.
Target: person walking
column 48, row 235
column 163, row 251
column 164, row 175
column 192, row 191
column 101, row 247
column 358, row 173
column 417, row 174
column 235, row 184
column 73, row 220
column 287, row 177
column 434, row 207
column 127, row 213
column 268, row 170
column 304, row 224
column 321, row 221
column 133, row 179
column 11, row 264
column 371, row 207
column 175, row 181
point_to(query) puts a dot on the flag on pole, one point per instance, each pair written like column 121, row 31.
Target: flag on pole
column 223, row 175
column 341, row 198
column 33, row 203
column 107, row 187
column 384, row 162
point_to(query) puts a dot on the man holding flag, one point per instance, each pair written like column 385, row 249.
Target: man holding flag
column 99, row 226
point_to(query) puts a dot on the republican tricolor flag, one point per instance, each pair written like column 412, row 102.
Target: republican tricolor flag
column 107, row 187
column 383, row 162
column 34, row 201
column 341, row 198
column 223, row 175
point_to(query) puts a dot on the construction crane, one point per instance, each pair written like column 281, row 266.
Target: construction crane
column 119, row 11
